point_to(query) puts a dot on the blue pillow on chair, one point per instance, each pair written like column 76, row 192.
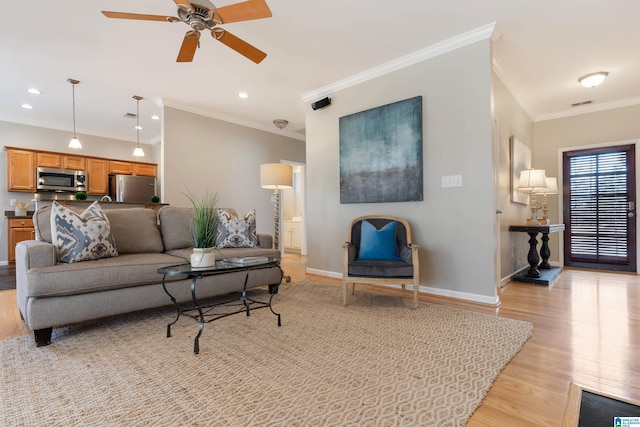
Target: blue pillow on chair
column 378, row 244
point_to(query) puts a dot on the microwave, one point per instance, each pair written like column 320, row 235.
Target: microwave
column 60, row 180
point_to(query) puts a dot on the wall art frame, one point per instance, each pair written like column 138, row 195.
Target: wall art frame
column 381, row 154
column 520, row 159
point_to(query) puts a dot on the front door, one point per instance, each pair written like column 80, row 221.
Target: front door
column 599, row 208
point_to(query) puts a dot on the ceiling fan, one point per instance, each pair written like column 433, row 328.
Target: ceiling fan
column 203, row 15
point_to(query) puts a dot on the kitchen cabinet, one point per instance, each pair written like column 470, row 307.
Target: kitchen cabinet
column 74, row 162
column 117, row 166
column 22, row 164
column 61, row 161
column 19, row 229
column 145, row 169
column 48, row 160
column 21, row 170
column 97, row 177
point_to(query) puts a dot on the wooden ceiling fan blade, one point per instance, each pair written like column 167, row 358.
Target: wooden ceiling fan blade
column 139, row 16
column 245, row 11
column 239, row 45
column 185, row 4
column 189, row 46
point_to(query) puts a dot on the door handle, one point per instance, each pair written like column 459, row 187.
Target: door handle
column 631, row 206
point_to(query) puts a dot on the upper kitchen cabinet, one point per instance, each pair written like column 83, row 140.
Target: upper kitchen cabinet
column 60, row 161
column 97, row 176
column 119, row 167
column 145, row 169
column 21, row 172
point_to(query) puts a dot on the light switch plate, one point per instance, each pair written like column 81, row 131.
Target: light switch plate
column 451, row 181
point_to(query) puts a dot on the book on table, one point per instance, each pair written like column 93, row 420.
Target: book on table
column 247, row 260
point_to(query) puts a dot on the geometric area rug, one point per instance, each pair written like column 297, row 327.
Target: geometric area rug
column 374, row 362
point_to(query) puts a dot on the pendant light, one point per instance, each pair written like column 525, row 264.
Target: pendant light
column 138, row 151
column 75, row 142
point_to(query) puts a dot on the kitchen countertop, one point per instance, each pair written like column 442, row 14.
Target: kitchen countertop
column 12, row 214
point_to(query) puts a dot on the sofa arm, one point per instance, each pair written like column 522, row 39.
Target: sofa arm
column 30, row 254
column 265, row 241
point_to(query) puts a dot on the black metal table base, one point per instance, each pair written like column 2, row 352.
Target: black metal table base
column 209, row 313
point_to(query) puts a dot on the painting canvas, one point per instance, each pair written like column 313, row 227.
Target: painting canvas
column 381, row 154
column 520, row 160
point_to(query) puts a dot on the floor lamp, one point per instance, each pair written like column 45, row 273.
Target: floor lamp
column 276, row 176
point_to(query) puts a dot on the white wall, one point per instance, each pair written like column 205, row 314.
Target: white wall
column 37, row 138
column 510, row 119
column 454, row 226
column 205, row 154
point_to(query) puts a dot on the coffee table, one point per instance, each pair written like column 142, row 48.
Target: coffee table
column 210, row 312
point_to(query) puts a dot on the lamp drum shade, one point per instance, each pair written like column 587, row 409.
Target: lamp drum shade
column 276, row 175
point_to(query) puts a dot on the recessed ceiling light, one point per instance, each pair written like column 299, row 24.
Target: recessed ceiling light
column 34, row 91
column 27, row 106
column 155, row 117
column 593, row 79
column 243, row 95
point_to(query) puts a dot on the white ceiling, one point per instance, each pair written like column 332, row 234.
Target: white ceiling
column 541, row 48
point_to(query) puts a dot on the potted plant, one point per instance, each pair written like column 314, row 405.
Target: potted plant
column 204, row 228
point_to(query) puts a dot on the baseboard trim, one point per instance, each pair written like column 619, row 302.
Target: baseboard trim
column 492, row 301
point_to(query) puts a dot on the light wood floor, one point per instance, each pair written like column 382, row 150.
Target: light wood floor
column 587, row 331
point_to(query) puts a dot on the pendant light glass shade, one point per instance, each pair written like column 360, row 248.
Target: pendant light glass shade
column 75, row 142
column 138, row 152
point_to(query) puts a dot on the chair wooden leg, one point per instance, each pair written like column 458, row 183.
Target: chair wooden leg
column 416, row 289
column 345, row 291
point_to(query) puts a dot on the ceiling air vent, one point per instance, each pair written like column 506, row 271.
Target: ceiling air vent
column 577, row 104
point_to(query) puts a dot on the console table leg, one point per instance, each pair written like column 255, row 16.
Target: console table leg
column 545, row 252
column 532, row 257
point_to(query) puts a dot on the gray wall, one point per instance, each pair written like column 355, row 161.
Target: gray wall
column 455, row 227
column 37, row 138
column 510, row 119
column 204, row 154
column 552, row 137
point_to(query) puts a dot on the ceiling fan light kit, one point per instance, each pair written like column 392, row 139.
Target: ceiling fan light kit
column 202, row 15
column 593, row 79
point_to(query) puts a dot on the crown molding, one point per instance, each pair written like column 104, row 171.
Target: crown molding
column 504, row 77
column 437, row 49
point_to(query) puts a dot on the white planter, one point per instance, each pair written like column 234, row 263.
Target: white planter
column 203, row 257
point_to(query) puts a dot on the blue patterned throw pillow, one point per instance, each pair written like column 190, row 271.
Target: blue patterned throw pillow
column 378, row 244
column 236, row 232
column 81, row 236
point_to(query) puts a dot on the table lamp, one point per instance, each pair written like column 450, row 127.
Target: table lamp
column 276, row 176
column 552, row 188
column 532, row 182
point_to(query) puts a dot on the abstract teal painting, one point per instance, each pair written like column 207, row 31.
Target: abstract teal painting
column 381, row 154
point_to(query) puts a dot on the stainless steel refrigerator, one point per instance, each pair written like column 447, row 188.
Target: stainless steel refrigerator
column 132, row 189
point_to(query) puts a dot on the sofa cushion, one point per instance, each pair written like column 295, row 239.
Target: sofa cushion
column 135, row 230
column 234, row 232
column 81, row 236
column 92, row 276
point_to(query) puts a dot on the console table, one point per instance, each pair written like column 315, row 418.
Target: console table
column 534, row 273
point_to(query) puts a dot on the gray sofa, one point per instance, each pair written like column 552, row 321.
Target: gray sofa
column 51, row 295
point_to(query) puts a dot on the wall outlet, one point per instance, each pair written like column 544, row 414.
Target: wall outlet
column 451, row 181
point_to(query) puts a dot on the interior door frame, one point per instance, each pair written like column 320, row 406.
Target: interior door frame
column 561, row 152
